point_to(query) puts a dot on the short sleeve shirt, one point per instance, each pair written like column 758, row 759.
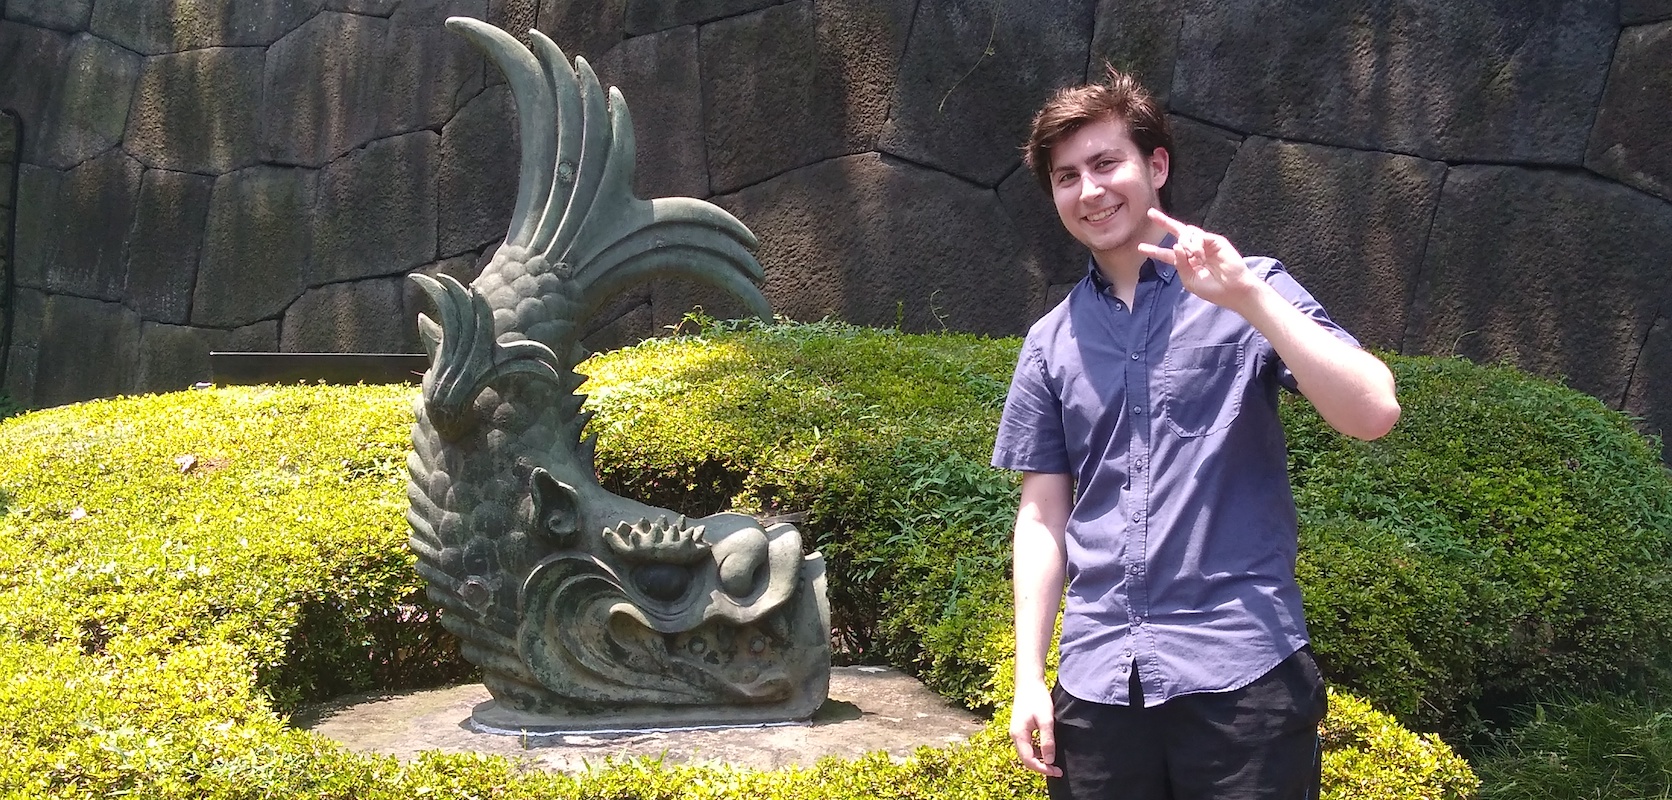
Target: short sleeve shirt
column 1182, row 537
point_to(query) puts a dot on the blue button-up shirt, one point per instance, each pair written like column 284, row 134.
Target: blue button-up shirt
column 1181, row 542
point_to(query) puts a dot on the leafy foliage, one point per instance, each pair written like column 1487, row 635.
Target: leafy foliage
column 1510, row 538
column 269, row 520
column 1358, row 744
column 177, row 571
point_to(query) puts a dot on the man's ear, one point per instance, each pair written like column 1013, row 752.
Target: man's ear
column 1161, row 163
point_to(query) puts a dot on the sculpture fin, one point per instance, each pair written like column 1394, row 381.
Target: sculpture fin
column 536, row 108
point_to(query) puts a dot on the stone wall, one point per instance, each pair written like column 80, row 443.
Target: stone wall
column 8, row 211
column 1491, row 178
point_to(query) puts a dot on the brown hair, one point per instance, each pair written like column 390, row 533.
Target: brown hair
column 1119, row 96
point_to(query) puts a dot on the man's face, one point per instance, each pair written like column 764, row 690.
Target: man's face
column 1104, row 186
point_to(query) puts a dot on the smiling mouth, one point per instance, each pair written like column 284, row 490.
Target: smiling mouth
column 1102, row 215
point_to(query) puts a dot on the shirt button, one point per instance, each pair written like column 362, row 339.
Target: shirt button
column 1137, row 620
column 1137, row 409
column 1137, row 515
column 1134, row 356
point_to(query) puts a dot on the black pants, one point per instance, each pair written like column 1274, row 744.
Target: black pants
column 1257, row 742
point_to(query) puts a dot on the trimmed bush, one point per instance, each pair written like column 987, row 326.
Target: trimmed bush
column 1511, row 538
column 178, row 571
column 1359, row 739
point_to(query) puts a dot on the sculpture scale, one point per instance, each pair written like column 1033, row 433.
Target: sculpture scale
column 586, row 610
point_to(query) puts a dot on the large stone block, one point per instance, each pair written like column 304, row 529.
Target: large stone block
column 1201, row 155
column 1631, row 142
column 197, row 111
column 874, row 241
column 1140, row 37
column 1561, row 273
column 626, row 321
column 1633, row 12
column 797, row 83
column 255, row 248
column 64, row 15
column 429, row 71
column 375, row 210
column 77, row 248
column 477, row 180
column 28, row 308
column 1649, row 397
column 321, row 90
column 261, row 337
column 1496, row 80
column 175, row 357
column 373, row 8
column 514, row 16
column 20, row 373
column 358, row 317
column 1047, row 247
column 26, row 54
column 165, row 245
column 973, row 75
column 649, row 16
column 90, row 111
column 1350, row 225
column 38, row 226
column 153, row 28
column 587, row 28
column 657, row 74
column 172, row 357
column 87, row 349
column 9, row 130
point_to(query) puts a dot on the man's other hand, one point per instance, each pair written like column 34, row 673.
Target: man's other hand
column 1031, row 717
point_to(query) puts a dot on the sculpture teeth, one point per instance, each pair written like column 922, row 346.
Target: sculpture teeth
column 659, row 542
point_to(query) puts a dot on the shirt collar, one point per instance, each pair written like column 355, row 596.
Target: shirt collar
column 1151, row 268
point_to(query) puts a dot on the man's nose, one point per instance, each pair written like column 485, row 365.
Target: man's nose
column 1089, row 187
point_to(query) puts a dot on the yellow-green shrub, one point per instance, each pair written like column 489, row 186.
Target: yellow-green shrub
column 1360, row 741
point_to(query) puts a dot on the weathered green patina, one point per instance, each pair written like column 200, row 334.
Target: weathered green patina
column 587, row 610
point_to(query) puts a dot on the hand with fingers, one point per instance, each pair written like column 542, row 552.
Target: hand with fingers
column 1210, row 267
column 1032, row 729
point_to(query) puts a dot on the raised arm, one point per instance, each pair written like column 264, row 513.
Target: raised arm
column 1352, row 389
column 1039, row 565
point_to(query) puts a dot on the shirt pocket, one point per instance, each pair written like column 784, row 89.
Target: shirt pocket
column 1200, row 388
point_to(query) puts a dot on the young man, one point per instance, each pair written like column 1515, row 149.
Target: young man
column 1143, row 416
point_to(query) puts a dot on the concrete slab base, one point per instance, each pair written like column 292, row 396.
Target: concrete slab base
column 870, row 709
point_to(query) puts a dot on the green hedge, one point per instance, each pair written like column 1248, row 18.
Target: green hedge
column 1510, row 539
column 178, row 571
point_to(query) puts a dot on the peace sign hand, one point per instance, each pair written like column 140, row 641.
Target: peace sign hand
column 1207, row 263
